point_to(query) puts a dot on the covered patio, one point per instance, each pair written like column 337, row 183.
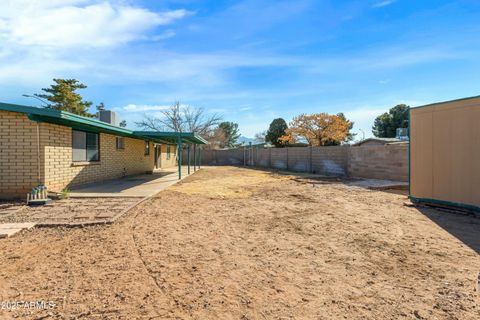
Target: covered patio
column 191, row 140
column 137, row 186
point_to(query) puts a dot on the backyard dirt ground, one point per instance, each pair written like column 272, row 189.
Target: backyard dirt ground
column 233, row 243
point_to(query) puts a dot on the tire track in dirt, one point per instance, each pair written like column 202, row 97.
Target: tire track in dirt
column 281, row 250
column 168, row 297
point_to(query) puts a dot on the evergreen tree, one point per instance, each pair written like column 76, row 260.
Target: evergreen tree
column 62, row 96
column 231, row 132
column 385, row 125
column 275, row 131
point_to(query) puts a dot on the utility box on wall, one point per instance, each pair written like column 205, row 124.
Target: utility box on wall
column 445, row 153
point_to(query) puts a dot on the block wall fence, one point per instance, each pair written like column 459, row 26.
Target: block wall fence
column 389, row 162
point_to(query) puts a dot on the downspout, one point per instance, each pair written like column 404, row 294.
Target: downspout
column 38, row 154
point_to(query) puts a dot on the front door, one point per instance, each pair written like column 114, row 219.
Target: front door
column 157, row 156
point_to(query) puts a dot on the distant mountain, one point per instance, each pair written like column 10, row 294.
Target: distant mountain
column 244, row 140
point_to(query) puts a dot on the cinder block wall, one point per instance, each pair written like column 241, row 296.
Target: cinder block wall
column 330, row 161
column 373, row 162
column 207, row 157
column 388, row 162
column 279, row 158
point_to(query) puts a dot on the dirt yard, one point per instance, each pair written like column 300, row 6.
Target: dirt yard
column 231, row 243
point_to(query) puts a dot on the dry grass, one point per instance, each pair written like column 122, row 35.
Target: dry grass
column 216, row 183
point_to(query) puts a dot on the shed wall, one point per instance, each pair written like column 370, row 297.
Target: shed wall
column 445, row 152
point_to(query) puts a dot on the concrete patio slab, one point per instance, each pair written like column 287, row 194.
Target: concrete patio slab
column 376, row 184
column 21, row 225
column 139, row 186
column 5, row 233
column 9, row 229
column 100, row 203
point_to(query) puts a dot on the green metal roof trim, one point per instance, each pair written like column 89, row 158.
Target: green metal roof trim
column 89, row 124
column 187, row 137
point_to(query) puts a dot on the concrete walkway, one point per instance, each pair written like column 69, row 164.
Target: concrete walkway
column 139, row 186
column 9, row 229
column 98, row 203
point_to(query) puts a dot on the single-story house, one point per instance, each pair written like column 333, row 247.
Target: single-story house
column 58, row 149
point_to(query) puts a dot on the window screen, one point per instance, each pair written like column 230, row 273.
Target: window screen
column 79, row 141
column 92, row 146
column 84, row 146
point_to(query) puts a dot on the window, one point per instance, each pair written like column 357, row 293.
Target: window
column 120, row 143
column 85, row 146
column 168, row 152
column 147, row 148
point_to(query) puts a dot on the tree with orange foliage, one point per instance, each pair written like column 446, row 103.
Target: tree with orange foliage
column 319, row 129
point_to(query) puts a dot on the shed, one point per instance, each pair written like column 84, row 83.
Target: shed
column 445, row 153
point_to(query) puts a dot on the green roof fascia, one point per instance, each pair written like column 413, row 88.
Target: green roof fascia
column 84, row 126
column 187, row 137
column 73, row 121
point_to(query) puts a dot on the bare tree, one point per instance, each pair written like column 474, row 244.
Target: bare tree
column 216, row 138
column 197, row 121
column 260, row 137
column 180, row 118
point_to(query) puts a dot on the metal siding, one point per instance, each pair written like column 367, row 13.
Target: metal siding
column 445, row 156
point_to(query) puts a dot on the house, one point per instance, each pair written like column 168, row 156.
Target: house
column 378, row 141
column 58, row 149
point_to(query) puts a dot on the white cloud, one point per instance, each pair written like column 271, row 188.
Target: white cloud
column 164, row 35
column 363, row 117
column 70, row 23
column 141, row 108
column 40, row 40
column 383, row 3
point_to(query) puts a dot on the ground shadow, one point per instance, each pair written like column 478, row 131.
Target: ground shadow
column 463, row 226
column 123, row 184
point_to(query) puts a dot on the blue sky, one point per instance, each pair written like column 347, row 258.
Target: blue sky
column 252, row 61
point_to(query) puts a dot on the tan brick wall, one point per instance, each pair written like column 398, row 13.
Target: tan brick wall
column 18, row 154
column 61, row 171
column 164, row 162
column 18, row 157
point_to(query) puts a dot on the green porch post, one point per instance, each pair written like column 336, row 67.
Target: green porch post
column 188, row 156
column 194, row 157
column 199, row 157
column 179, row 156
